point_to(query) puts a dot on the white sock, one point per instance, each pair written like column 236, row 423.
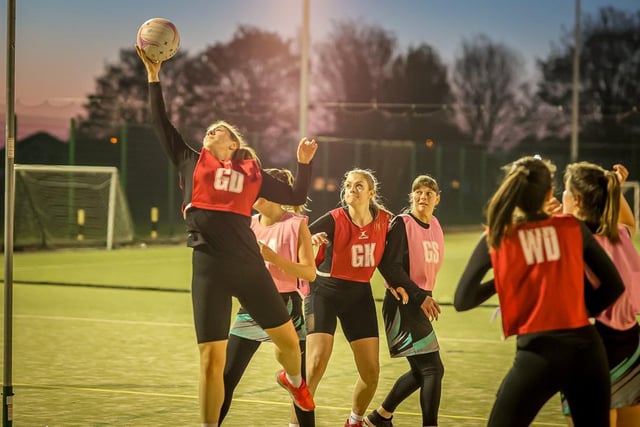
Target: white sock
column 354, row 418
column 295, row 380
column 294, row 425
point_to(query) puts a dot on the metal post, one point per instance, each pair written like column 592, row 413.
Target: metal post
column 9, row 207
column 123, row 155
column 575, row 88
column 72, row 142
column 71, row 194
column 462, row 182
column 171, row 201
column 304, row 69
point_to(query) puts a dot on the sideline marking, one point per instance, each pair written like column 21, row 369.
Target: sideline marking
column 116, row 321
column 254, row 401
column 189, row 325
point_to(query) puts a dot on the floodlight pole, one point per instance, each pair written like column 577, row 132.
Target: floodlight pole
column 9, row 202
column 575, row 88
column 304, row 69
column 124, row 131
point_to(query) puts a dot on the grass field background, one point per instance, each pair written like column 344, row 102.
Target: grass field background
column 105, row 338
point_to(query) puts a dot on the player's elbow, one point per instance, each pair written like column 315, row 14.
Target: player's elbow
column 460, row 304
column 309, row 273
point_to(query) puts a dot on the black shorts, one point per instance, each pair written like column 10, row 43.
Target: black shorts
column 351, row 302
column 620, row 345
column 216, row 279
column 623, row 355
column 247, row 328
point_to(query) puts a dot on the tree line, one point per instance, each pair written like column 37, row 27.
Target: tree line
column 362, row 85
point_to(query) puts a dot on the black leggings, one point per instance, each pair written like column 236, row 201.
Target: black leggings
column 239, row 354
column 572, row 362
column 426, row 374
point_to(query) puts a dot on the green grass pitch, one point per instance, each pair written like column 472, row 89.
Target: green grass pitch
column 118, row 349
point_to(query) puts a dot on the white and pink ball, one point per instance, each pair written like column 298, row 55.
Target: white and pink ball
column 159, row 39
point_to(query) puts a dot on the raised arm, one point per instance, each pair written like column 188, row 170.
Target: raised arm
column 282, row 193
column 171, row 140
column 626, row 213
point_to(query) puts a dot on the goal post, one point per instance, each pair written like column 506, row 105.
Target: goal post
column 70, row 206
column 633, row 187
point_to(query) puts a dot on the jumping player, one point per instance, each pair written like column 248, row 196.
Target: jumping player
column 220, row 184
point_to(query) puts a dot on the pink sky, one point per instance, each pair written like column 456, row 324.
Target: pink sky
column 62, row 46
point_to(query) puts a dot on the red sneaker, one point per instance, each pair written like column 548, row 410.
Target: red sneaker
column 301, row 396
column 358, row 424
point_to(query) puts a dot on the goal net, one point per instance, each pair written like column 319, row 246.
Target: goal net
column 64, row 206
column 631, row 191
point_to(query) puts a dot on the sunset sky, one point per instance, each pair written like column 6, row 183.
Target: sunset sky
column 62, row 46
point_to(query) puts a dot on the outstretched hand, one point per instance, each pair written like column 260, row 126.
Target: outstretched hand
column 153, row 68
column 306, row 150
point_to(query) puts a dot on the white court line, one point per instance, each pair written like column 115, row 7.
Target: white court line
column 472, row 340
column 66, row 265
column 189, row 325
column 115, row 321
column 251, row 401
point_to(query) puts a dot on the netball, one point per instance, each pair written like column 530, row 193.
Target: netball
column 159, row 39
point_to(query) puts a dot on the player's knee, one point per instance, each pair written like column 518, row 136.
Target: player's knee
column 212, row 358
column 370, row 375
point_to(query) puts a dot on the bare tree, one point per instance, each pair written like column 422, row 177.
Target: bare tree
column 488, row 84
column 352, row 65
column 251, row 81
column 419, row 95
column 121, row 94
column 609, row 68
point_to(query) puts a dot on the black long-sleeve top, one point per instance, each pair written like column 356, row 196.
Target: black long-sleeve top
column 471, row 291
column 226, row 233
column 185, row 158
column 394, row 266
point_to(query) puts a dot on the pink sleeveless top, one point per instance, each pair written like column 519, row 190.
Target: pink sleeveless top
column 426, row 249
column 621, row 315
column 282, row 237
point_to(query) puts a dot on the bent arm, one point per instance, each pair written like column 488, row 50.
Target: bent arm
column 611, row 285
column 626, row 215
column 304, row 267
column 471, row 291
column 392, row 264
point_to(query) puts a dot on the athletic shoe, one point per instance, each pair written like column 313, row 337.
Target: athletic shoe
column 374, row 419
column 358, row 424
column 301, row 396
